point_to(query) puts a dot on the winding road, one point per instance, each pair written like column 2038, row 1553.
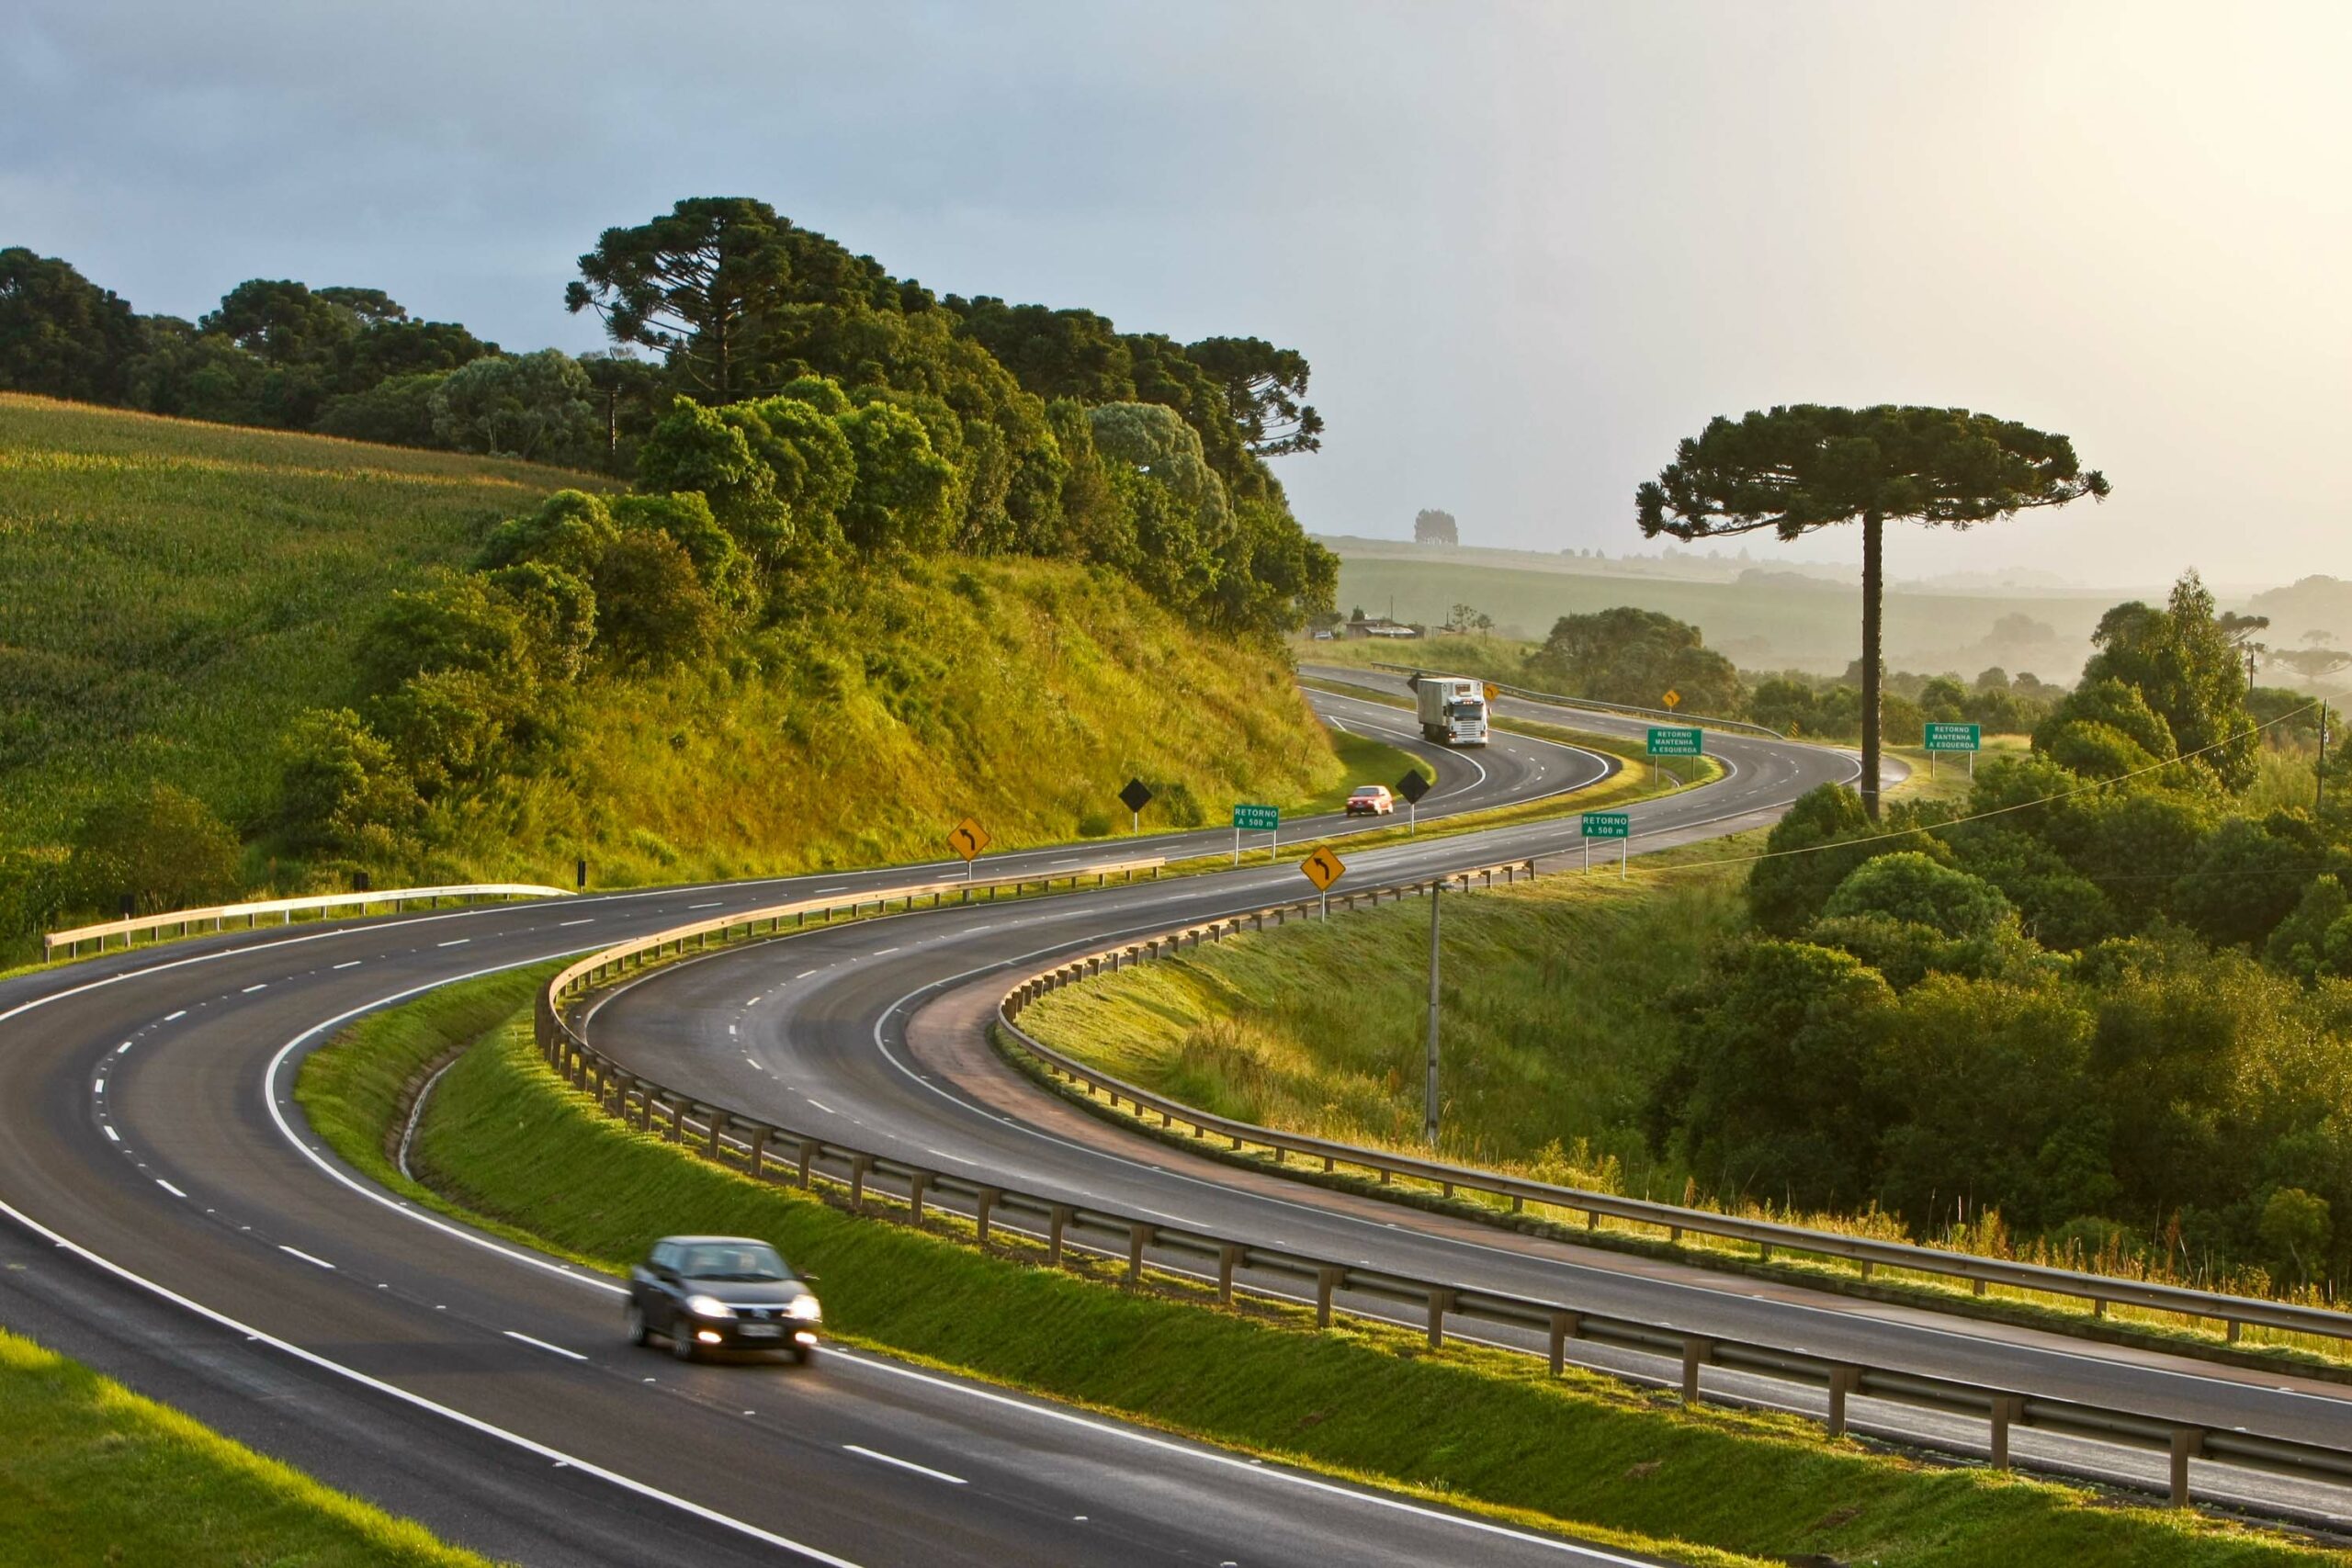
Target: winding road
column 174, row 1223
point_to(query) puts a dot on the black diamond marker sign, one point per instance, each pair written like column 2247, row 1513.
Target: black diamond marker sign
column 1136, row 796
column 1413, row 785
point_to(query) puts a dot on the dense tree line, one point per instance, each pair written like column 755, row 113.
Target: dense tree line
column 2101, row 996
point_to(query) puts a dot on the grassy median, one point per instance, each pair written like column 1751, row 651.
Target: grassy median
column 503, row 1138
column 91, row 1473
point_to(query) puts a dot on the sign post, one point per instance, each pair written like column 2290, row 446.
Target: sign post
column 1941, row 736
column 1412, row 786
column 1429, row 1081
column 1674, row 740
column 1256, row 820
column 967, row 838
column 1323, row 868
column 1135, row 797
column 1617, row 825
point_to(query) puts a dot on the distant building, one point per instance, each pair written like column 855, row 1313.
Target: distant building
column 1380, row 625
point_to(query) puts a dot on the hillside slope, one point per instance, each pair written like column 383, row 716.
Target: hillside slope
column 177, row 594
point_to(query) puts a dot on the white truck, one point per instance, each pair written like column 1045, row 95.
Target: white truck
column 1453, row 710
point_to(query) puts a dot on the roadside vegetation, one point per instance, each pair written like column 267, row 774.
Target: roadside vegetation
column 1471, row 1427
column 2086, row 1008
column 91, row 1473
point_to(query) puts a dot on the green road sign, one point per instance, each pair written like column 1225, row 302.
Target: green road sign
column 1674, row 740
column 1955, row 736
column 1608, row 825
column 1258, row 819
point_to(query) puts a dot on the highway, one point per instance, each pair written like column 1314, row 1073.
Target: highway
column 176, row 1226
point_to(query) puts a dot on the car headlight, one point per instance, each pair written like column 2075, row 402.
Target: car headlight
column 805, row 1305
column 709, row 1306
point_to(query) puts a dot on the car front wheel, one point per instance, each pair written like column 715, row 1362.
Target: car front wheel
column 637, row 1330
column 682, row 1342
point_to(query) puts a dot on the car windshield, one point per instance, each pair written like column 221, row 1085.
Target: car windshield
column 1370, row 792
column 732, row 1260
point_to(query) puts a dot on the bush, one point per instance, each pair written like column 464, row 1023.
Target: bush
column 158, row 846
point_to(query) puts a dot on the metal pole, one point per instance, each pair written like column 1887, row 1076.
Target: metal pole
column 1428, row 1104
column 1237, row 844
column 1587, row 857
column 1326, row 903
column 1624, row 848
column 1412, row 817
column 2319, row 771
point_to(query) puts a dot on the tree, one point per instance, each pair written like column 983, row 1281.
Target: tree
column 694, row 285
column 2182, row 665
column 397, row 411
column 531, row 405
column 1262, row 388
column 2295, row 1228
column 2316, row 662
column 1434, row 527
column 1804, row 466
column 62, row 335
column 1917, row 890
column 622, row 382
column 158, row 846
column 1635, row 657
column 904, row 498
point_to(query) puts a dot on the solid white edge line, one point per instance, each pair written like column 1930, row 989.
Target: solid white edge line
column 417, row 1400
column 865, row 1452
column 543, row 1345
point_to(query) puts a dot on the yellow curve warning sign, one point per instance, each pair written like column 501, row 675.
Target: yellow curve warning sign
column 968, row 838
column 1323, row 868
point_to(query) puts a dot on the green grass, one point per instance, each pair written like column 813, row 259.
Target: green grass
column 1472, row 1428
column 178, row 591
column 91, row 1473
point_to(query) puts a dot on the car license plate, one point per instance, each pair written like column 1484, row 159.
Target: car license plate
column 761, row 1331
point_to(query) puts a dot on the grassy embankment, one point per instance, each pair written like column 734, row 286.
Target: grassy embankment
column 1555, row 1029
column 91, row 1473
column 1470, row 1427
column 181, row 591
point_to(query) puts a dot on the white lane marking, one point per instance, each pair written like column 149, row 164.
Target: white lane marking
column 884, row 952
column 804, row 973
column 112, row 1136
column 755, row 1065
column 822, row 1106
column 455, row 941
column 543, row 1345
column 730, row 1029
column 298, row 1252
column 122, row 1049
column 822, row 891
column 588, row 922
column 175, row 1017
column 249, row 990
column 351, row 963
column 169, row 1187
column 714, row 904
column 417, row 1400
column 904, row 1464
column 101, row 1088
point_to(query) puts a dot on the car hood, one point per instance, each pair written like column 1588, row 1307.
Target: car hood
column 750, row 1292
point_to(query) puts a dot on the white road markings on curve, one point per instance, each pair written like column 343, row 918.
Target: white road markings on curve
column 456, row 942
column 884, row 952
column 588, row 922
column 822, row 1106
column 352, row 963
column 169, row 1187
column 112, row 1136
column 543, row 1345
column 101, row 1086
column 298, row 1252
column 714, row 904
column 249, row 990
column 904, row 1464
column 175, row 1017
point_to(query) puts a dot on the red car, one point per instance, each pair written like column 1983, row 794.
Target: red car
column 1371, row 800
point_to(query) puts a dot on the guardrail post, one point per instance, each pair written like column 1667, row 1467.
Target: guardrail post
column 807, row 1158
column 1228, row 1257
column 717, row 1130
column 2231, row 1327
column 1138, row 1238
column 916, row 1184
column 1327, row 1279
column 1843, row 1380
column 983, row 1205
column 1056, row 1222
column 1696, row 1353
column 2099, row 1306
column 2188, row 1442
column 760, row 1136
column 859, row 1166
column 2007, row 1408
column 1564, row 1323
column 1440, row 1299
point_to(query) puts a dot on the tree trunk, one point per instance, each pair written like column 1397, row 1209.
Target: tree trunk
column 1874, row 587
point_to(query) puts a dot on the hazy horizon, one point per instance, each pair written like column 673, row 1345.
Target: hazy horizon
column 1525, row 247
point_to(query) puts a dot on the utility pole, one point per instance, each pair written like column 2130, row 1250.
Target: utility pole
column 2319, row 771
column 1429, row 1106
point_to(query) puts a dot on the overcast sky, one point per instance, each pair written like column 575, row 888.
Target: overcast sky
column 1526, row 246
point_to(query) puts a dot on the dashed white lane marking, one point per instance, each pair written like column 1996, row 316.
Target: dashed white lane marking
column 175, row 1017
column 714, row 904
column 804, row 973
column 822, row 891
column 589, row 921
column 101, row 1086
column 298, row 1252
column 822, row 1106
column 122, row 1048
column 169, row 1187
column 884, row 952
column 351, row 963
column 730, row 1029
column 543, row 1345
column 755, row 1065
column 459, row 941
column 112, row 1136
column 904, row 1464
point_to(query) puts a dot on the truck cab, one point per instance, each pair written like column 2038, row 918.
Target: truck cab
column 1452, row 709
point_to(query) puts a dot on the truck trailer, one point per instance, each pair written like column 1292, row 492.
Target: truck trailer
column 1453, row 709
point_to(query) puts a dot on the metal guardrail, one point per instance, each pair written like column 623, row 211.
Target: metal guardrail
column 1558, row 700
column 770, row 1151
column 2100, row 1290
column 251, row 913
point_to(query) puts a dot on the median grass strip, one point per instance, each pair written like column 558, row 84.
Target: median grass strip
column 504, row 1137
column 91, row 1473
